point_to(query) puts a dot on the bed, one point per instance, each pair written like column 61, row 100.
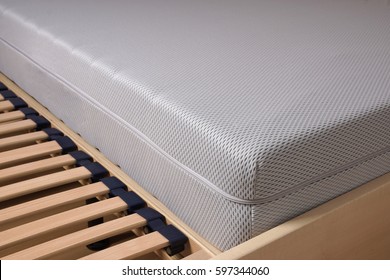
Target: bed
column 237, row 116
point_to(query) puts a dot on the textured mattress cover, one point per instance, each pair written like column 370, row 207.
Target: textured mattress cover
column 248, row 101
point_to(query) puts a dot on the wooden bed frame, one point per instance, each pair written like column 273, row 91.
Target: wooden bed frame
column 53, row 225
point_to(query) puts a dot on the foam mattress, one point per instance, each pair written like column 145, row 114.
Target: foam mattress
column 237, row 115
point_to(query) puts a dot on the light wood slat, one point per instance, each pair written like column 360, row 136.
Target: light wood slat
column 44, row 182
column 22, row 140
column 6, row 106
column 131, row 249
column 11, row 116
column 24, row 154
column 49, row 202
column 30, row 168
column 13, row 127
column 46, row 225
column 79, row 238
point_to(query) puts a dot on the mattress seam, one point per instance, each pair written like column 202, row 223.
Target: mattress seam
column 197, row 176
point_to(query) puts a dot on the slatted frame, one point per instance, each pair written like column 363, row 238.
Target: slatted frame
column 32, row 167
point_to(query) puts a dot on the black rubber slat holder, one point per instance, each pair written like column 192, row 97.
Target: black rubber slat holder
column 3, row 87
column 28, row 111
column 52, row 132
column 133, row 200
column 114, row 183
column 18, row 102
column 150, row 215
column 7, row 94
column 41, row 122
column 176, row 238
column 66, row 143
column 97, row 170
column 81, row 157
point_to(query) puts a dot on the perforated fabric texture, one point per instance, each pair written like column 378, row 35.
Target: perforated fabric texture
column 238, row 103
column 222, row 222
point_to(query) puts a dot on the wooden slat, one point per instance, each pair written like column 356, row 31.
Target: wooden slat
column 6, row 106
column 24, row 154
column 44, row 182
column 80, row 238
column 131, row 249
column 22, row 170
column 46, row 225
column 49, row 202
column 22, row 140
column 11, row 116
column 13, row 127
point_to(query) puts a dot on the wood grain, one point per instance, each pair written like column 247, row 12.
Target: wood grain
column 49, row 202
column 11, row 116
column 131, row 249
column 80, row 238
column 56, row 222
column 44, row 182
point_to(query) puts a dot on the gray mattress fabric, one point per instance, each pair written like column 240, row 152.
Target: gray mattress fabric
column 237, row 115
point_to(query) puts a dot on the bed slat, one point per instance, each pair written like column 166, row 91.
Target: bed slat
column 11, row 116
column 58, row 221
column 22, row 140
column 19, row 126
column 80, row 238
column 30, row 168
column 44, row 182
column 6, row 105
column 131, row 249
column 24, row 154
column 49, row 202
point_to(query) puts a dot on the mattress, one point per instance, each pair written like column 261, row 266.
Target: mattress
column 237, row 115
